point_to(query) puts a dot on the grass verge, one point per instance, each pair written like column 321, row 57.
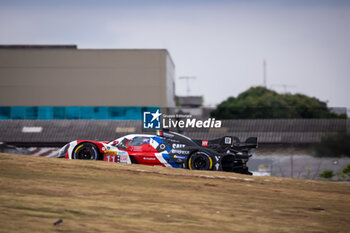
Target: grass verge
column 96, row 196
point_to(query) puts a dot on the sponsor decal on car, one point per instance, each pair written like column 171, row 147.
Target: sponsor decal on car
column 175, row 146
column 109, row 152
column 184, row 152
column 122, row 153
column 205, row 142
column 180, row 157
column 124, row 158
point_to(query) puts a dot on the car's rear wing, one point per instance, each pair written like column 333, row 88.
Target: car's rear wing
column 251, row 142
column 240, row 150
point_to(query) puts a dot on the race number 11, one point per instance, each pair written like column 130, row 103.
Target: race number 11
column 110, row 158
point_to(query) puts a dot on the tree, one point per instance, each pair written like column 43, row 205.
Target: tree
column 262, row 103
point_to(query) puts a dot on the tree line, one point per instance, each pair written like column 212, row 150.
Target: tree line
column 262, row 103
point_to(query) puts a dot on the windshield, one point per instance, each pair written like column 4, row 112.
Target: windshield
column 119, row 143
column 138, row 141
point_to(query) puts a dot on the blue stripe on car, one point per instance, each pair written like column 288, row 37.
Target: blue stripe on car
column 170, row 161
column 166, row 156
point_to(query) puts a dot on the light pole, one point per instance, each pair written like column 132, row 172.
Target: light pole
column 187, row 78
column 264, row 73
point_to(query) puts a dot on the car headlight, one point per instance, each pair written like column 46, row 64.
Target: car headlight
column 62, row 152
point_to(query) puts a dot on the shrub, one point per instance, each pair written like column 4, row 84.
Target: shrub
column 346, row 170
column 327, row 174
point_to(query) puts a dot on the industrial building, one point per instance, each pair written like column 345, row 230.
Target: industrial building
column 64, row 82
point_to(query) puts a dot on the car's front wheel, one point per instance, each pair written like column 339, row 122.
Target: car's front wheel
column 86, row 151
column 200, row 161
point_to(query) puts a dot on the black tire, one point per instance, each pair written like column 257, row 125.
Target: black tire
column 200, row 161
column 86, row 151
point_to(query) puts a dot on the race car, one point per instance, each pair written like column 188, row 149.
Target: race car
column 167, row 149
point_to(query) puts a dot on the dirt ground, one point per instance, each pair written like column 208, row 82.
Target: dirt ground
column 96, row 196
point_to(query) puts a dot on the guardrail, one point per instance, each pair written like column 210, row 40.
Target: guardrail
column 58, row 132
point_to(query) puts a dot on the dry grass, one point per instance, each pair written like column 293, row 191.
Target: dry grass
column 95, row 196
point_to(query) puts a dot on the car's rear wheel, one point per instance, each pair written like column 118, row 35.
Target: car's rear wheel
column 86, row 151
column 200, row 161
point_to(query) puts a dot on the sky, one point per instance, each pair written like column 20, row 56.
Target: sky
column 223, row 43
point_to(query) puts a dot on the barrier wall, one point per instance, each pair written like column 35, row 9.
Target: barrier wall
column 58, row 132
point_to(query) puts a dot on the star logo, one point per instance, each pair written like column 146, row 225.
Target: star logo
column 156, row 115
column 151, row 120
